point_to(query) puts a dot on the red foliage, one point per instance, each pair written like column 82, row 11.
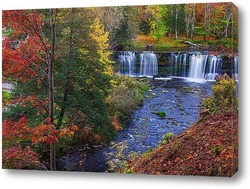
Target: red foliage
column 32, row 100
column 15, row 157
column 45, row 133
column 208, row 148
column 18, row 132
column 116, row 124
column 23, row 60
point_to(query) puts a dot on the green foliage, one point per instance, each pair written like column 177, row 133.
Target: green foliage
column 208, row 103
column 122, row 23
column 127, row 94
column 216, row 150
column 118, row 157
column 167, row 137
column 161, row 114
column 83, row 72
column 6, row 95
column 224, row 96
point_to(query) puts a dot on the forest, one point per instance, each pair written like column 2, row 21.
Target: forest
column 67, row 97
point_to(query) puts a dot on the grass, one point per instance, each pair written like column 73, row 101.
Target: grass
column 168, row 43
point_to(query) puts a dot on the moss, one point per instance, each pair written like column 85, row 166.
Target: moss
column 161, row 114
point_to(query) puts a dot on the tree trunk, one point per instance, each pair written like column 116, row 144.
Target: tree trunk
column 51, row 85
column 229, row 15
column 66, row 89
column 187, row 20
column 171, row 15
column 176, row 22
column 193, row 20
column 205, row 22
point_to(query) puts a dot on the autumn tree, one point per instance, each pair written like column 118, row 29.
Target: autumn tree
column 33, row 57
column 83, row 78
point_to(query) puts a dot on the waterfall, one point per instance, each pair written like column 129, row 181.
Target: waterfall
column 184, row 63
column 197, row 66
column 148, row 64
column 127, row 63
column 212, row 68
column 179, row 62
column 236, row 60
column 176, row 63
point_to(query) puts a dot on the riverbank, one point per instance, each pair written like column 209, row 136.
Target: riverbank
column 207, row 148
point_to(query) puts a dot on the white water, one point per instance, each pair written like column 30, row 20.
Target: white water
column 236, row 60
column 213, row 68
column 197, row 66
column 148, row 64
column 127, row 62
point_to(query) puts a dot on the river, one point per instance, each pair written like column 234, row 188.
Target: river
column 178, row 98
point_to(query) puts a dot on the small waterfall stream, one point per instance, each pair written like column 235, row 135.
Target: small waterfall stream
column 148, row 64
column 127, row 62
column 197, row 66
column 236, row 60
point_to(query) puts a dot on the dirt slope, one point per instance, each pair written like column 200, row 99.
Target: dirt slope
column 210, row 147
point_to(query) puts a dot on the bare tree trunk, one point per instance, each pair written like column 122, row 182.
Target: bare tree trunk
column 187, row 20
column 205, row 22
column 176, row 22
column 229, row 15
column 51, row 85
column 171, row 15
column 193, row 20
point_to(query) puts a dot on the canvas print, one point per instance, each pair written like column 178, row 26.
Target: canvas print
column 149, row 89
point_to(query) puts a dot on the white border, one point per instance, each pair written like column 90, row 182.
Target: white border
column 61, row 180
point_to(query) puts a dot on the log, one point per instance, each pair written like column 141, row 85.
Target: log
column 196, row 45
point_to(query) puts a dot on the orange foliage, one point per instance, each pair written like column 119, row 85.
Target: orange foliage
column 208, row 148
column 15, row 157
column 145, row 39
column 115, row 123
column 23, row 60
column 18, row 132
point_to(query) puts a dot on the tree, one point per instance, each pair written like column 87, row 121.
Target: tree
column 122, row 24
column 83, row 78
column 192, row 23
column 33, row 57
column 176, row 19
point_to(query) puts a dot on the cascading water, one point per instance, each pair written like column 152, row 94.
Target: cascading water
column 214, row 63
column 176, row 63
column 236, row 60
column 184, row 65
column 179, row 62
column 191, row 65
column 127, row 62
column 197, row 65
column 148, row 64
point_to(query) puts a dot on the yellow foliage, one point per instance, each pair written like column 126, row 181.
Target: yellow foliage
column 98, row 34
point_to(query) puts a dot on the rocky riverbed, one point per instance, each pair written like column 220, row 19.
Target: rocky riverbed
column 169, row 106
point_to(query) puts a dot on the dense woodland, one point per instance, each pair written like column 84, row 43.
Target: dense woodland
column 59, row 61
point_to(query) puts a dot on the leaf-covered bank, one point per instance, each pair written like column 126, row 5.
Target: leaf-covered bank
column 207, row 148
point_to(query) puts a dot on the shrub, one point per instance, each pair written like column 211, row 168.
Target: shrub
column 127, row 94
column 224, row 96
column 167, row 137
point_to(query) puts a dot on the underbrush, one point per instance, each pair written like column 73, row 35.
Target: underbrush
column 127, row 95
column 224, row 97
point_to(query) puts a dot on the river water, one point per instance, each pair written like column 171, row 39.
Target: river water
column 178, row 98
